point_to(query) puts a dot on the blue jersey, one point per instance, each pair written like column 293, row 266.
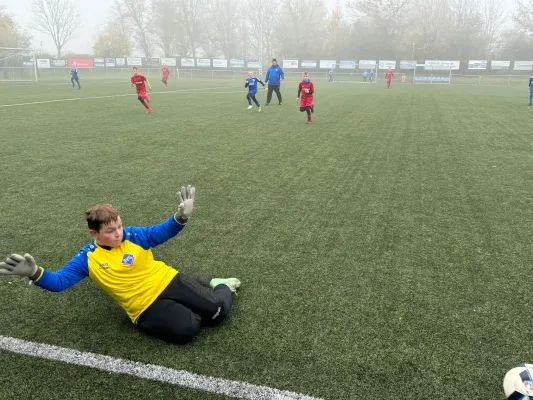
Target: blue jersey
column 251, row 84
column 531, row 84
column 330, row 73
column 274, row 75
column 74, row 73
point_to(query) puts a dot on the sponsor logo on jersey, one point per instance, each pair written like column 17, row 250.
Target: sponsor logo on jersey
column 127, row 260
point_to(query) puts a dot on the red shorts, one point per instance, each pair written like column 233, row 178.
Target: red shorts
column 306, row 102
column 143, row 95
column 165, row 77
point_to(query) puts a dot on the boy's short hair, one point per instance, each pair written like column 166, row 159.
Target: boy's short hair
column 100, row 215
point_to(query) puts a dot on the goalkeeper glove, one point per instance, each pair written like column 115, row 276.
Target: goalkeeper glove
column 186, row 202
column 16, row 264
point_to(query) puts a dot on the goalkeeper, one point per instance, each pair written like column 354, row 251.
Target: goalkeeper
column 159, row 300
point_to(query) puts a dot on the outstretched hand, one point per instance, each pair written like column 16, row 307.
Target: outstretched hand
column 16, row 264
column 186, row 201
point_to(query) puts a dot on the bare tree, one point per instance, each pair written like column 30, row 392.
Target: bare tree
column 301, row 24
column 382, row 24
column 137, row 17
column 432, row 21
column 336, row 35
column 112, row 42
column 493, row 16
column 59, row 19
column 223, row 23
column 192, row 18
column 523, row 18
column 10, row 33
column 260, row 28
column 166, row 25
column 467, row 27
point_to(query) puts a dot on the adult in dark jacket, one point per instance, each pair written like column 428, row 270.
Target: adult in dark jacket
column 273, row 79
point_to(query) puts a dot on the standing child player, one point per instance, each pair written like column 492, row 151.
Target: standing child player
column 74, row 75
column 306, row 90
column 531, row 90
column 331, row 76
column 138, row 80
column 388, row 77
column 251, row 84
column 164, row 73
column 371, row 76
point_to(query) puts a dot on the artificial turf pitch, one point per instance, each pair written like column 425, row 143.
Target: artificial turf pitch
column 385, row 250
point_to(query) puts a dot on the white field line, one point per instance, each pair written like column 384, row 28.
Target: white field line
column 201, row 90
column 237, row 389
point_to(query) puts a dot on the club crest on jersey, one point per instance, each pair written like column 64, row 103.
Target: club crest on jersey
column 127, row 260
column 104, row 266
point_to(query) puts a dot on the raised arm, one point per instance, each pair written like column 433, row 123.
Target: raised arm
column 72, row 273
column 152, row 236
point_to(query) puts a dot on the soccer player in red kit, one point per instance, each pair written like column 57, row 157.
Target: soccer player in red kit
column 138, row 80
column 306, row 89
column 164, row 72
column 388, row 77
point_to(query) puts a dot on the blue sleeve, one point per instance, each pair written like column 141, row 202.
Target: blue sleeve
column 76, row 270
column 152, row 236
column 281, row 74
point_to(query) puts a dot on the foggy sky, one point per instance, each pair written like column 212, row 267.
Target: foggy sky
column 93, row 15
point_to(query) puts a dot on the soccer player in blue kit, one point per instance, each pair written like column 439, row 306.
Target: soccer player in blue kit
column 251, row 84
column 74, row 75
column 158, row 299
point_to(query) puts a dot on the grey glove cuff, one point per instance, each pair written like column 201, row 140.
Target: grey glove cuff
column 180, row 220
column 36, row 275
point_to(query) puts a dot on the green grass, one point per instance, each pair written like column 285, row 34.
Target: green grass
column 384, row 250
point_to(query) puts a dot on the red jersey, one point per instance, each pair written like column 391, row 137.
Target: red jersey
column 306, row 89
column 389, row 75
column 165, row 71
column 138, row 80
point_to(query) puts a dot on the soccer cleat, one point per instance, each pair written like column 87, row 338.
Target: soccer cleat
column 149, row 111
column 232, row 283
column 280, row 103
column 250, row 107
column 309, row 122
column 259, row 109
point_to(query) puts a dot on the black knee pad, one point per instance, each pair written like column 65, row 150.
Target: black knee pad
column 140, row 99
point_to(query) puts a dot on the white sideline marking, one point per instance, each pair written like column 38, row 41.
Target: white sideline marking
column 237, row 389
column 119, row 95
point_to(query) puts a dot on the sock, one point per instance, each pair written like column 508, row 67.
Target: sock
column 145, row 104
column 531, row 99
column 249, row 101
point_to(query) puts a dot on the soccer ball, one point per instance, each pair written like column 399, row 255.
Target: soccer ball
column 518, row 383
